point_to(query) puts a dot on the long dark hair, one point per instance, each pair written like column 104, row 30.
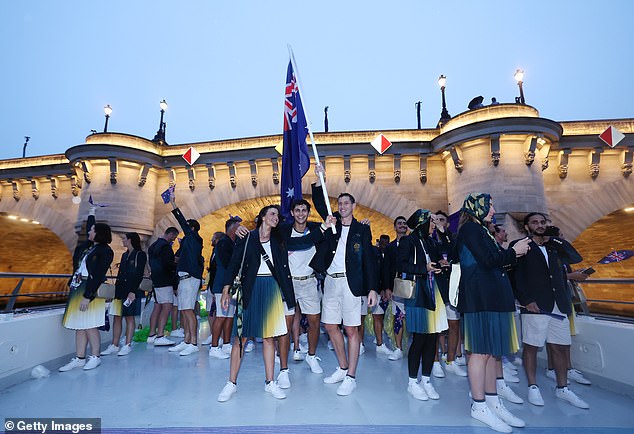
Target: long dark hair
column 275, row 231
column 103, row 234
column 135, row 240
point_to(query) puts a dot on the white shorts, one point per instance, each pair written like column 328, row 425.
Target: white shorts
column 452, row 313
column 164, row 295
column 538, row 329
column 187, row 292
column 220, row 312
column 340, row 304
column 308, row 296
column 376, row 310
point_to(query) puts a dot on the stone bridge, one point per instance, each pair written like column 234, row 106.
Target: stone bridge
column 526, row 162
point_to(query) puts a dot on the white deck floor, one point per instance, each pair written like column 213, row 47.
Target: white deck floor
column 152, row 390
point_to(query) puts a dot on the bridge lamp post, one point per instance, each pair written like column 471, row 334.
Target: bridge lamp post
column 519, row 77
column 107, row 110
column 444, row 114
column 160, row 134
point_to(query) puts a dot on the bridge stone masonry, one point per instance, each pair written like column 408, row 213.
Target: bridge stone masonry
column 526, row 162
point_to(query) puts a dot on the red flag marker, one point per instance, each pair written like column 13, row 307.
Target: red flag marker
column 381, row 143
column 611, row 136
column 191, row 156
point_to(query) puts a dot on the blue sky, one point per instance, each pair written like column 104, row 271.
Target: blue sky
column 221, row 65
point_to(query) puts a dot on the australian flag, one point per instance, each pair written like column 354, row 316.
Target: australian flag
column 295, row 157
column 617, row 256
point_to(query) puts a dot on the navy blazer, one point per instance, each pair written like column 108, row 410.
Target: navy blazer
column 162, row 263
column 252, row 258
column 542, row 283
column 361, row 272
column 484, row 282
column 130, row 275
column 390, row 265
column 191, row 249
column 97, row 262
column 222, row 255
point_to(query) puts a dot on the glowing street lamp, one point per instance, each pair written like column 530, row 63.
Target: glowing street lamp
column 107, row 110
column 160, row 134
column 444, row 114
column 519, row 77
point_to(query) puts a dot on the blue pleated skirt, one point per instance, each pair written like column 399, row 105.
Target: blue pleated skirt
column 264, row 318
column 490, row 333
column 424, row 321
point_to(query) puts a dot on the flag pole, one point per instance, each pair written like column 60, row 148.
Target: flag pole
column 309, row 125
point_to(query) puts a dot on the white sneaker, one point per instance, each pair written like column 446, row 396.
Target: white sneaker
column 550, row 373
column 509, row 367
column 283, row 381
column 313, row 362
column 227, row 392
column 226, row 348
column 151, row 339
column 178, row 333
column 576, row 375
column 217, row 353
column 437, row 371
column 461, row 361
column 303, row 339
column 336, row 376
column 510, row 378
column 570, row 396
column 112, row 348
column 330, row 347
column 249, row 347
column 303, row 348
column 535, row 396
column 486, row 416
column 92, row 362
column 443, row 357
column 383, row 349
column 125, row 350
column 417, row 392
column 500, row 411
column 207, row 341
column 163, row 341
column 75, row 362
column 507, row 393
column 452, row 368
column 297, row 356
column 347, row 386
column 430, row 391
column 361, row 349
column 397, row 354
column 189, row 349
column 178, row 348
column 274, row 390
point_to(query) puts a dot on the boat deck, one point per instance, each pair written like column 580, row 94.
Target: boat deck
column 155, row 391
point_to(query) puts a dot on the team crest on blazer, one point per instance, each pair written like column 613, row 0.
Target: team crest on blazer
column 356, row 247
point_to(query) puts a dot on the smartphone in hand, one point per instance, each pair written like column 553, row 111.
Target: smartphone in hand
column 588, row 271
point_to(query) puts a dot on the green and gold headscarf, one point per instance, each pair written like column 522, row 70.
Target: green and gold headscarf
column 420, row 217
column 477, row 205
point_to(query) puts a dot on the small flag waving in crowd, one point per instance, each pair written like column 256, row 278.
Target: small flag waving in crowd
column 295, row 157
column 617, row 256
column 167, row 194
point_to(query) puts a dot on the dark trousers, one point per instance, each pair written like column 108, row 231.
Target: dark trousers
column 422, row 352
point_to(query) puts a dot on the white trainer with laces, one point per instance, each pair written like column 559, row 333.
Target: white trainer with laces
column 383, row 349
column 226, row 348
column 227, row 392
column 298, row 356
column 576, row 375
column 189, row 349
column 336, row 376
column 347, row 386
column 92, row 362
column 75, row 362
column 510, row 376
column 207, row 341
column 417, row 391
column 570, row 396
column 151, row 339
column 397, row 354
column 484, row 414
column 178, row 348
column 313, row 362
column 430, row 390
column 461, row 361
column 217, row 353
column 283, row 380
column 250, row 347
column 535, row 396
column 453, row 368
column 112, row 348
column 550, row 373
column 178, row 333
column 437, row 371
column 500, row 411
column 273, row 388
column 125, row 350
column 163, row 341
column 507, row 393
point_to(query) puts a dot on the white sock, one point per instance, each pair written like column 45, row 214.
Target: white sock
column 424, row 379
column 479, row 405
column 412, row 381
column 492, row 400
